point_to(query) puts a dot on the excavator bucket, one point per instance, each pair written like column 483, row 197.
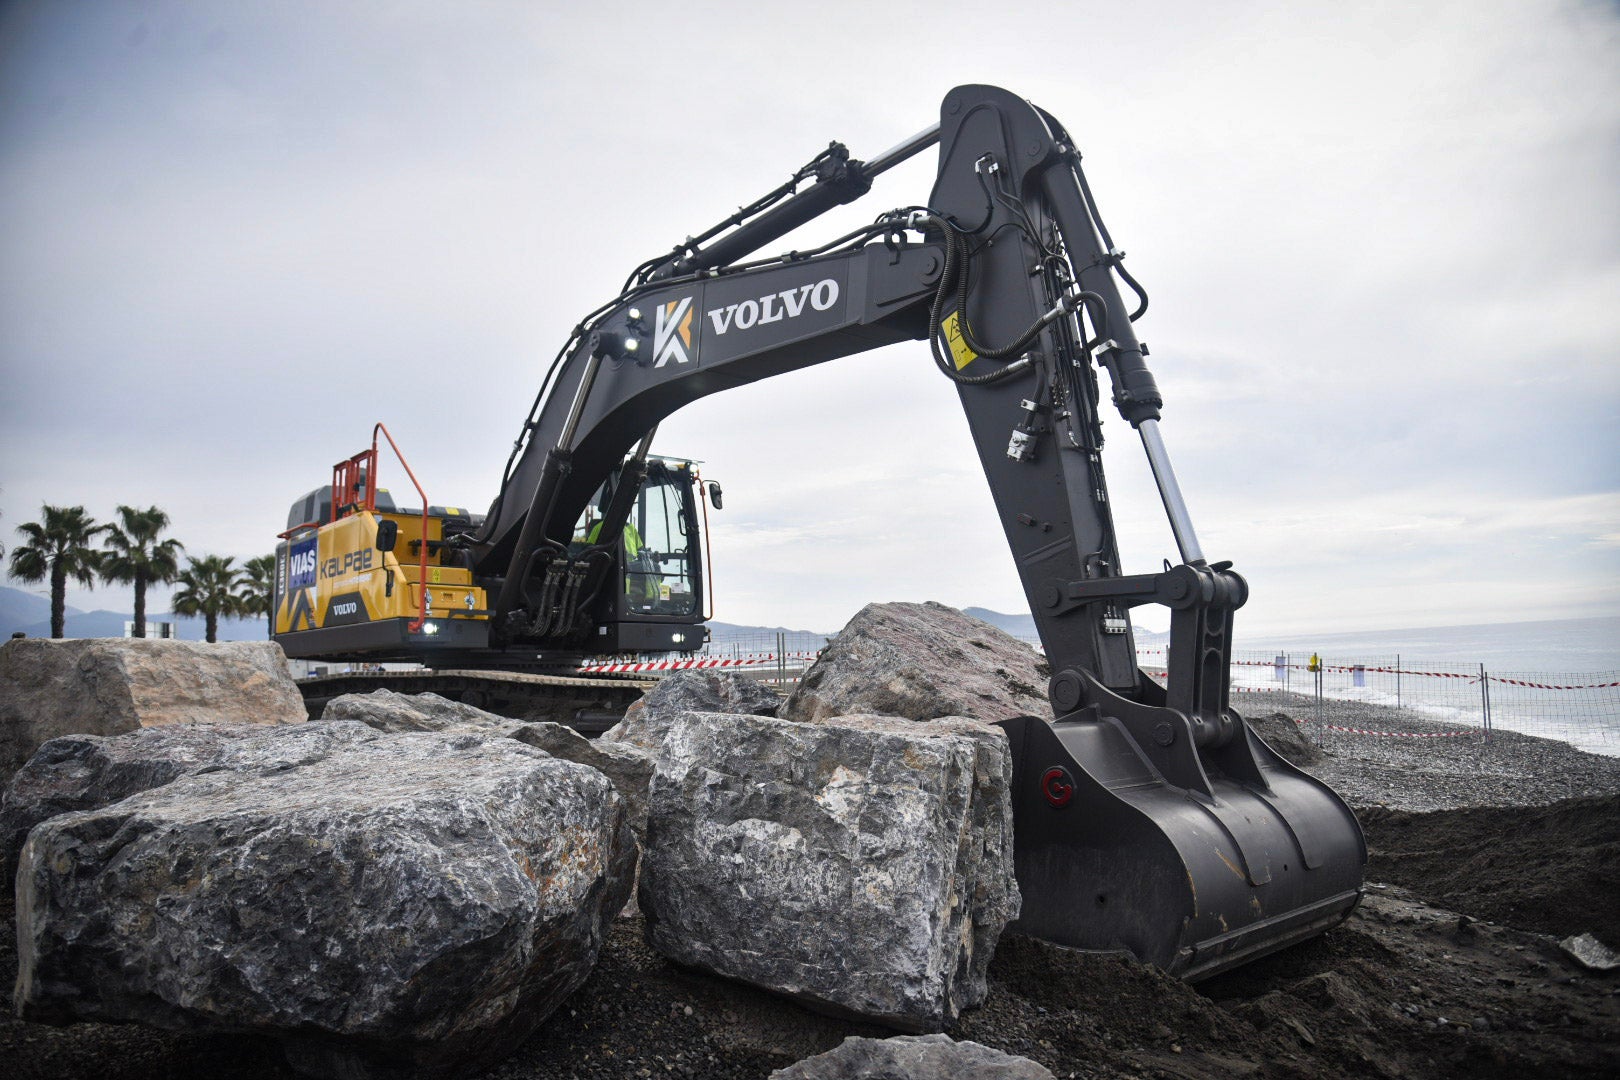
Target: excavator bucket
column 1113, row 856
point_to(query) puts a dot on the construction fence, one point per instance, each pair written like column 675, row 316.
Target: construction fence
column 1449, row 699
column 1434, row 700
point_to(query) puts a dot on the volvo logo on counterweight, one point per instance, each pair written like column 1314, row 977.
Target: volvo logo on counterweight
column 774, row 307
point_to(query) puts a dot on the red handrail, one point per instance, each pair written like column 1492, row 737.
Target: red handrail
column 371, row 497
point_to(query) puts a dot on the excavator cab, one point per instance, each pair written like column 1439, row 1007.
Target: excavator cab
column 655, row 602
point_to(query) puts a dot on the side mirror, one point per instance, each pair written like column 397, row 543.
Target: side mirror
column 387, row 534
column 714, row 495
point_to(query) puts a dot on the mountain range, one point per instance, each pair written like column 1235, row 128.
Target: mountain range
column 26, row 613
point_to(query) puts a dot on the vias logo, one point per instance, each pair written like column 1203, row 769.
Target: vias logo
column 672, row 332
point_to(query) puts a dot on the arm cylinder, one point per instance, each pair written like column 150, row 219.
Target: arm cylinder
column 1170, row 491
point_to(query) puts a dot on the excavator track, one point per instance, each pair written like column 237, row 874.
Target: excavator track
column 589, row 705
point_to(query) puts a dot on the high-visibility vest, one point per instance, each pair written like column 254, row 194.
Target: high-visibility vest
column 632, row 548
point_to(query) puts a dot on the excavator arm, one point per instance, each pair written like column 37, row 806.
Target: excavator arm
column 1148, row 819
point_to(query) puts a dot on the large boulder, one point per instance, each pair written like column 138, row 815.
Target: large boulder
column 922, row 661
column 410, row 902
column 913, row 1057
column 649, row 718
column 862, row 866
column 87, row 772
column 392, row 712
column 107, row 686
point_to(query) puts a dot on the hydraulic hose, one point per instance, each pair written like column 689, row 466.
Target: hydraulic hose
column 955, row 276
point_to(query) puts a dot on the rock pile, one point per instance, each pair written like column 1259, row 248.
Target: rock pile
column 413, row 884
column 103, row 686
column 862, row 866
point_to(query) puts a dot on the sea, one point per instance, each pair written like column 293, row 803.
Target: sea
column 1558, row 645
column 1556, row 678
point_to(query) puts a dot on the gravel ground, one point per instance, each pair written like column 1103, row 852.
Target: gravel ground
column 1445, row 773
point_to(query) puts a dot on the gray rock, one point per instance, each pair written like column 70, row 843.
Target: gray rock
column 913, row 1057
column 647, row 720
column 922, row 661
column 87, row 772
column 1587, row 951
column 107, row 686
column 388, row 711
column 1284, row 736
column 862, row 866
column 418, row 901
column 628, row 766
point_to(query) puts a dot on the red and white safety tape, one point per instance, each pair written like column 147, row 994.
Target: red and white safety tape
column 1401, row 734
column 1471, row 676
column 753, row 660
column 1550, row 686
column 1347, row 730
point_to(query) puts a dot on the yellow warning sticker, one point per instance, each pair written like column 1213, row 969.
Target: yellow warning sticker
column 435, row 575
column 952, row 326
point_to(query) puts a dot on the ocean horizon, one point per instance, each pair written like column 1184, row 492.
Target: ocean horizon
column 1549, row 645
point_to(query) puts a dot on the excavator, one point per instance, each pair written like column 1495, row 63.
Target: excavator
column 1148, row 819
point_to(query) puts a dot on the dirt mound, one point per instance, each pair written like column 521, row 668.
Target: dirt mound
column 1553, row 868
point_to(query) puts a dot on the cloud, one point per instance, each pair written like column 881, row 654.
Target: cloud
column 1381, row 242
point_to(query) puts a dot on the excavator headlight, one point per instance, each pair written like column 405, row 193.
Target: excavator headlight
column 631, row 345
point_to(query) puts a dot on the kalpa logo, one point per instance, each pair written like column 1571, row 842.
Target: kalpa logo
column 820, row 296
column 672, row 332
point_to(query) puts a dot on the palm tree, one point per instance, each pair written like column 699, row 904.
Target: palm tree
column 205, row 589
column 257, row 574
column 59, row 549
column 135, row 555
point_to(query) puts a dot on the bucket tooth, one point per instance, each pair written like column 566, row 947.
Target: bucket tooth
column 1113, row 857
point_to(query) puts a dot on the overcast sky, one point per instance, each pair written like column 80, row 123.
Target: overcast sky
column 1382, row 243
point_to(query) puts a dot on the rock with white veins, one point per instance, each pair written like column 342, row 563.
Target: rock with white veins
column 410, row 902
column 862, row 866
